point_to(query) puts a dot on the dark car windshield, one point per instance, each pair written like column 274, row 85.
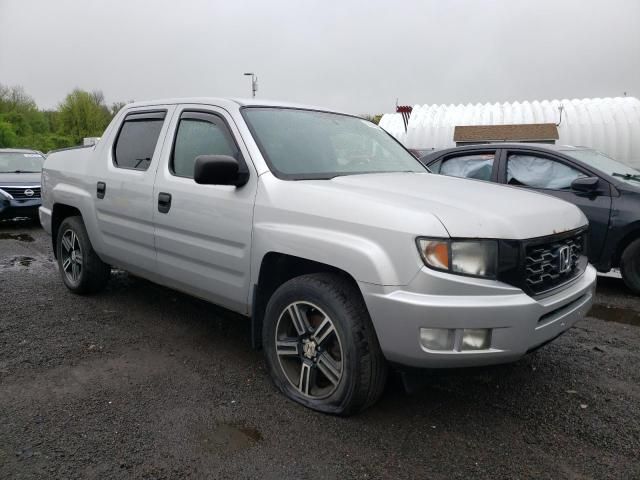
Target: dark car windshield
column 20, row 162
column 605, row 164
column 304, row 144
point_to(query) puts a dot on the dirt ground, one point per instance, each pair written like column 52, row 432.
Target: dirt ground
column 140, row 381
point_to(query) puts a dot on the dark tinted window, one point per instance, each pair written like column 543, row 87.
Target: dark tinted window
column 137, row 140
column 200, row 134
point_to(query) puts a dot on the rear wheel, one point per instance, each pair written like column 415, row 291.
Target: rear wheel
column 321, row 348
column 630, row 266
column 81, row 269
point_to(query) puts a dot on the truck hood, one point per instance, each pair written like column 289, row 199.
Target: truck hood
column 466, row 208
column 18, row 179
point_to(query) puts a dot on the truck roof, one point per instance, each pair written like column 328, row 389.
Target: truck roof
column 230, row 103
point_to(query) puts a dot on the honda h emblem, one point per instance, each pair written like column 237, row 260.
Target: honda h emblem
column 564, row 257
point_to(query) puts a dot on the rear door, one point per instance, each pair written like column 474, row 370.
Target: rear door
column 478, row 164
column 203, row 232
column 553, row 175
column 123, row 189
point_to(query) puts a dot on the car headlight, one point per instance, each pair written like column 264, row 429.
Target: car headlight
column 477, row 258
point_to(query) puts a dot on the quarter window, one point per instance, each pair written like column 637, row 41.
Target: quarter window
column 200, row 134
column 539, row 172
column 478, row 166
column 137, row 140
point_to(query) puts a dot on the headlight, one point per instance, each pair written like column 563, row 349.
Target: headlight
column 477, row 258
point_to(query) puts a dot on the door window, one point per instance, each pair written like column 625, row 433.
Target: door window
column 200, row 134
column 539, row 172
column 137, row 140
column 477, row 165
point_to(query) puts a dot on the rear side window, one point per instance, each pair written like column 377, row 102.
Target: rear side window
column 477, row 165
column 137, row 140
column 200, row 133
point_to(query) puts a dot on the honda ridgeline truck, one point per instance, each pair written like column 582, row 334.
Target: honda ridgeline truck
column 347, row 254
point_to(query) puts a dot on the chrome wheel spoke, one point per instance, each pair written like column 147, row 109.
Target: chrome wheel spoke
column 66, row 263
column 79, row 257
column 75, row 271
column 325, row 329
column 329, row 368
column 287, row 347
column 66, row 243
column 304, row 383
column 299, row 319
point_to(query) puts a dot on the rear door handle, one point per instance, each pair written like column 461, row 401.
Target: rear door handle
column 164, row 202
column 101, row 189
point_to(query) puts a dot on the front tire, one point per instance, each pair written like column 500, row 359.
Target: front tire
column 81, row 269
column 630, row 266
column 321, row 347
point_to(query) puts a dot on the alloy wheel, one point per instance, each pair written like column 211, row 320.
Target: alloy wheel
column 309, row 350
column 71, row 254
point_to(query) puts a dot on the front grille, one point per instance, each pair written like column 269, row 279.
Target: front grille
column 540, row 265
column 553, row 263
column 22, row 192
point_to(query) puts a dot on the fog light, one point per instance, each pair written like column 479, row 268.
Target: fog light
column 437, row 338
column 476, row 338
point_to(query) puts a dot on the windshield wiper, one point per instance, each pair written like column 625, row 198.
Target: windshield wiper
column 627, row 176
column 22, row 171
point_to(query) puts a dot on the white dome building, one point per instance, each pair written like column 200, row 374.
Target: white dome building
column 610, row 125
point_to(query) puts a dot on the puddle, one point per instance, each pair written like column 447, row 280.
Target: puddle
column 230, row 438
column 615, row 314
column 21, row 237
column 20, row 261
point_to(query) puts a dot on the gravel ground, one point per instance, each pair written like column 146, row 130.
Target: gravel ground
column 140, row 381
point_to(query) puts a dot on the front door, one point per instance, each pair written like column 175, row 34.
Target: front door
column 203, row 232
column 553, row 176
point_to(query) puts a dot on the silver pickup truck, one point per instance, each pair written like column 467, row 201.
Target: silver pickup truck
column 347, row 254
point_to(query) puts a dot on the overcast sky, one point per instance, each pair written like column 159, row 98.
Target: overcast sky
column 353, row 55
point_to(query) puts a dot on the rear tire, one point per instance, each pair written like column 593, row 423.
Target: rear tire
column 327, row 358
column 81, row 269
column 630, row 266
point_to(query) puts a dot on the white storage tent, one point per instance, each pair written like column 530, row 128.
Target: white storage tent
column 610, row 125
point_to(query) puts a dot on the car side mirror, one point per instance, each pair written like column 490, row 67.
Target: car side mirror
column 585, row 184
column 218, row 170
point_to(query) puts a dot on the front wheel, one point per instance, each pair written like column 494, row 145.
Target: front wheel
column 81, row 269
column 320, row 345
column 630, row 266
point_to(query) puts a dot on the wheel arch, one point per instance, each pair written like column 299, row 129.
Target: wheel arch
column 59, row 212
column 632, row 234
column 276, row 268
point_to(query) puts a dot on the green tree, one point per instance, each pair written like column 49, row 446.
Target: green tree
column 8, row 137
column 83, row 114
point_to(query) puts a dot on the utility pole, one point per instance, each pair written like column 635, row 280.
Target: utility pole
column 254, row 83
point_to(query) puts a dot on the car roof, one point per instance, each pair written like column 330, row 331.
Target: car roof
column 231, row 103
column 514, row 145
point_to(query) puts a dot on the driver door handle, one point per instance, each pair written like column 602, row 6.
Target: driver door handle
column 164, row 202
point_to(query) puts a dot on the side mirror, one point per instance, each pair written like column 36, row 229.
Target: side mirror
column 218, row 170
column 585, row 184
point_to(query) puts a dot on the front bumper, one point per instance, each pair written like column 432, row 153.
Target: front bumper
column 12, row 208
column 519, row 322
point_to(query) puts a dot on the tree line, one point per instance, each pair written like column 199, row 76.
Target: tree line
column 23, row 125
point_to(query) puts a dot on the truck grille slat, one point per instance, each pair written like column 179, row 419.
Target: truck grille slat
column 553, row 263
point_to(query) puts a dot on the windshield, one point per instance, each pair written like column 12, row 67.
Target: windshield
column 19, row 162
column 305, row 144
column 606, row 165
